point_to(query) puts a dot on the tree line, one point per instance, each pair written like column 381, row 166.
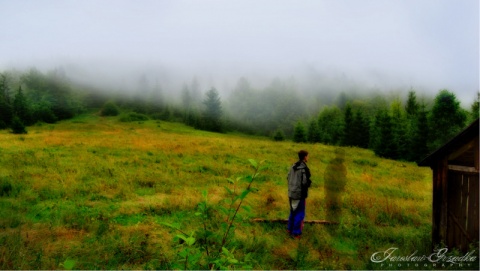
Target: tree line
column 393, row 128
column 402, row 132
column 32, row 97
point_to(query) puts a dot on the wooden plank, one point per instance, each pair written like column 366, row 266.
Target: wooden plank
column 474, row 215
column 463, row 218
column 437, row 203
column 460, row 227
column 476, row 153
column 473, row 208
column 453, row 234
column 462, row 210
column 463, row 169
column 286, row 221
column 444, row 205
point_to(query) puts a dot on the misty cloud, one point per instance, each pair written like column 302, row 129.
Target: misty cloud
column 427, row 45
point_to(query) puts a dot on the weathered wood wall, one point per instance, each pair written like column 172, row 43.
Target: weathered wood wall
column 462, row 213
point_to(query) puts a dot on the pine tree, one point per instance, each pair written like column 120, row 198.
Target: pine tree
column 419, row 146
column 475, row 108
column 385, row 147
column 213, row 111
column 60, row 93
column 21, row 108
column 412, row 106
column 299, row 133
column 361, row 130
column 374, row 142
column 412, row 109
column 446, row 118
column 399, row 129
column 348, row 132
column 313, row 132
column 6, row 110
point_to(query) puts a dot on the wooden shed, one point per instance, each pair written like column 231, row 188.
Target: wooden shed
column 455, row 189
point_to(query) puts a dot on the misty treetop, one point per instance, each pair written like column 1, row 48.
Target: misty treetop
column 278, row 106
column 213, row 111
column 36, row 97
column 394, row 127
column 447, row 117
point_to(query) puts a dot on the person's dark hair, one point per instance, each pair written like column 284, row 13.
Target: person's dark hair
column 302, row 154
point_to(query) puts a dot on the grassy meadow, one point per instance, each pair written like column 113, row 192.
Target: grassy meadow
column 93, row 192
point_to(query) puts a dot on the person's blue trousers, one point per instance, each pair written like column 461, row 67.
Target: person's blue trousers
column 295, row 221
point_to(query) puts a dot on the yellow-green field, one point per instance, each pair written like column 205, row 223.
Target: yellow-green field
column 93, row 192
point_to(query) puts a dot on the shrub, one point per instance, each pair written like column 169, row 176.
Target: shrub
column 17, row 126
column 110, row 109
column 130, row 117
column 43, row 112
column 279, row 136
column 299, row 133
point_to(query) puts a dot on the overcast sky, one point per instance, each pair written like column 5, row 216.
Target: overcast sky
column 429, row 44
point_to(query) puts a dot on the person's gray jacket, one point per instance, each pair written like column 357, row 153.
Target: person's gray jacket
column 298, row 180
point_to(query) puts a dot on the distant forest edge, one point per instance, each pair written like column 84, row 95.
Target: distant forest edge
column 401, row 128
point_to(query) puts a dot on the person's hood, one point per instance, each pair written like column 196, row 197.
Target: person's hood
column 299, row 165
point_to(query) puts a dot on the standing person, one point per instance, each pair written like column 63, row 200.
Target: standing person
column 298, row 183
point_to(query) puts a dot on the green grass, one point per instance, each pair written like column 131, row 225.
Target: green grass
column 92, row 192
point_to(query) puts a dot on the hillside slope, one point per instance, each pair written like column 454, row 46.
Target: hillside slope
column 92, row 192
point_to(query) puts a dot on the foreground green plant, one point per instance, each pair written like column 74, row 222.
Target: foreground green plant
column 210, row 245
